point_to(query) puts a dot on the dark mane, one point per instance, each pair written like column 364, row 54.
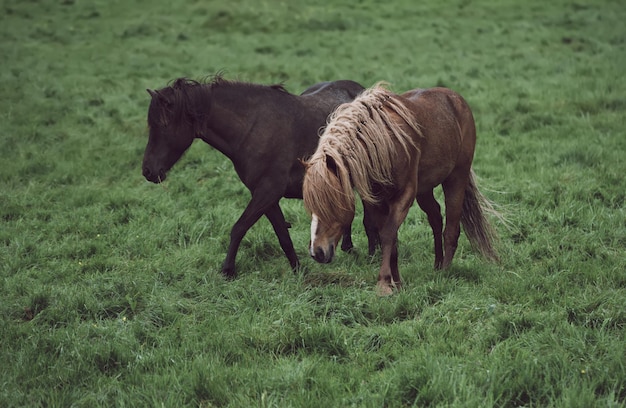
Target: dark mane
column 219, row 80
column 188, row 100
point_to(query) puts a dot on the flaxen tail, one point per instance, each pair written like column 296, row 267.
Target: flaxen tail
column 479, row 231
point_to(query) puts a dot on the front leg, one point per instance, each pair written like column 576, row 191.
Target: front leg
column 261, row 201
column 346, row 240
column 381, row 221
column 389, row 274
column 371, row 230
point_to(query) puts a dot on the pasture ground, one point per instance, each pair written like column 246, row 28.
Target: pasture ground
column 110, row 286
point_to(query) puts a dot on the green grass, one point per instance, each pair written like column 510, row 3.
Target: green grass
column 111, row 290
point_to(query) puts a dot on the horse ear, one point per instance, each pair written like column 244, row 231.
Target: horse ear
column 158, row 95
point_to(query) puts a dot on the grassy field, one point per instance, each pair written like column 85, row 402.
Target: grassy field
column 110, row 287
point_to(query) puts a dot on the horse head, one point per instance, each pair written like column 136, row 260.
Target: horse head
column 172, row 128
column 331, row 203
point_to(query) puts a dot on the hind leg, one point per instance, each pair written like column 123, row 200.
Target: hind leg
column 281, row 228
column 454, row 192
column 431, row 207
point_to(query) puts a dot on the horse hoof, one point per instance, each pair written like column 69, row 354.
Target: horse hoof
column 229, row 274
column 346, row 247
column 383, row 289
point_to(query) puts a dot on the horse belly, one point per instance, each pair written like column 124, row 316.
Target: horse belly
column 294, row 186
column 436, row 162
column 294, row 191
column 428, row 180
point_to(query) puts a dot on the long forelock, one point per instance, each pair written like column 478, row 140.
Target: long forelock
column 325, row 194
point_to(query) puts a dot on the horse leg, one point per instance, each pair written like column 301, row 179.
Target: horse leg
column 261, row 200
column 386, row 281
column 454, row 193
column 431, row 207
column 373, row 239
column 378, row 215
column 389, row 275
column 277, row 219
column 346, row 241
column 371, row 230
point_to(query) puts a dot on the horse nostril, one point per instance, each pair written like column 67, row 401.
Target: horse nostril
column 322, row 257
column 146, row 172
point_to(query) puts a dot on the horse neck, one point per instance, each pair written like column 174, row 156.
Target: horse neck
column 234, row 111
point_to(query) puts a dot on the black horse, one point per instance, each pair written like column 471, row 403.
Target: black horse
column 263, row 130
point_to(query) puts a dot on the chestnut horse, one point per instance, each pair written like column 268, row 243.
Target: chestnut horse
column 263, row 130
column 393, row 149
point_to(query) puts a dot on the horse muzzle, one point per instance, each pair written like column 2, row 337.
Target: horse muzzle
column 322, row 256
column 154, row 177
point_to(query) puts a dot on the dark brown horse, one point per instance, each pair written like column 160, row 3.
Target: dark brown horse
column 394, row 149
column 263, row 130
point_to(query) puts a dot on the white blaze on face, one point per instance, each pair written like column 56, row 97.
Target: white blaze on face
column 314, row 222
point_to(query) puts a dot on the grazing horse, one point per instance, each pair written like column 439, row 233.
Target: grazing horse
column 393, row 149
column 263, row 130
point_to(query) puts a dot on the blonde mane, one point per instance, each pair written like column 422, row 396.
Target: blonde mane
column 363, row 140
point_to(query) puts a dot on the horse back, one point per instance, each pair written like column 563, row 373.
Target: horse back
column 341, row 91
column 321, row 99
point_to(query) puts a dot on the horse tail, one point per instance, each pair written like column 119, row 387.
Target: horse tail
column 479, row 231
